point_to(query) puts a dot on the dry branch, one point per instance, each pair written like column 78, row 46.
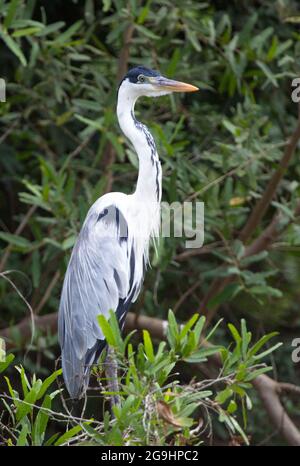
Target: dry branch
column 268, row 390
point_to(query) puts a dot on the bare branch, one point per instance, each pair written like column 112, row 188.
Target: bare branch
column 288, row 388
column 264, row 202
column 267, row 390
column 47, row 293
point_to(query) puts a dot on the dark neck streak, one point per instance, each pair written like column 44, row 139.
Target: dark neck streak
column 154, row 156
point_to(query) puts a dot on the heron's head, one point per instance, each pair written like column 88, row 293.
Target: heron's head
column 142, row 81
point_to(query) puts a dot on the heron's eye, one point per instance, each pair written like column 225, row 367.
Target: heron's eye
column 141, row 78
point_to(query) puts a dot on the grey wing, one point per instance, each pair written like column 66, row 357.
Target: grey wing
column 99, row 277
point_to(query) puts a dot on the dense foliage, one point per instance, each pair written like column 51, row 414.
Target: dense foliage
column 61, row 148
column 153, row 408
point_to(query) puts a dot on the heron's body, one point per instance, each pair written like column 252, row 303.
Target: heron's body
column 108, row 260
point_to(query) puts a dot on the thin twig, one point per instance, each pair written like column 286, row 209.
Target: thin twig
column 48, row 291
column 32, row 322
column 8, row 131
column 186, row 294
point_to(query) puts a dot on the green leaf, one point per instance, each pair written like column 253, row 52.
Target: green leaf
column 47, row 382
column 51, row 28
column 96, row 124
column 41, row 421
column 24, row 381
column 51, row 440
column 229, row 292
column 22, row 439
column 192, row 37
column 232, row 407
column 12, row 392
column 224, row 395
column 15, row 240
column 238, row 428
column 132, row 367
column 234, row 130
column 212, row 331
column 86, row 104
column 25, row 32
column 68, row 243
column 256, row 373
column 201, row 355
column 188, row 326
column 107, row 331
column 172, row 330
column 268, row 73
column 65, row 36
column 246, row 338
column 144, row 13
column 12, row 9
column 255, row 258
column 148, row 346
column 89, row 11
column 189, row 345
column 68, row 435
column 268, row 351
column 13, row 46
column 25, row 406
column 235, row 333
column 241, row 372
column 146, row 32
column 115, row 327
column 106, row 5
column 261, row 342
column 198, row 328
column 4, row 365
column 265, row 290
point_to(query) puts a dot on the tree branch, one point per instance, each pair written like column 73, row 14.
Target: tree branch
column 288, row 388
column 267, row 390
column 271, row 232
column 124, row 55
column 47, row 293
column 264, row 202
column 261, row 243
column 23, row 329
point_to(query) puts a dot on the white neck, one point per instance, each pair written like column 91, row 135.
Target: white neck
column 148, row 188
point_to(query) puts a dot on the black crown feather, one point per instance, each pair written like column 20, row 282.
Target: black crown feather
column 134, row 73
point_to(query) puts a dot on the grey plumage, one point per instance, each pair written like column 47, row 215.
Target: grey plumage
column 100, row 277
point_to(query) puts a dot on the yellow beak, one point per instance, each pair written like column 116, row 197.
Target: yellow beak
column 170, row 85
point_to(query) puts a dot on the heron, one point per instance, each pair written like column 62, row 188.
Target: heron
column 108, row 262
